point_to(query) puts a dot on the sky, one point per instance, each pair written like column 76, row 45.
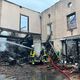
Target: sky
column 37, row 5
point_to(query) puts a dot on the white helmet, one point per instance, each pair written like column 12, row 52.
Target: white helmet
column 32, row 46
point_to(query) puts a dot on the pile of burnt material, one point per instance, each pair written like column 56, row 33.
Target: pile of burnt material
column 12, row 53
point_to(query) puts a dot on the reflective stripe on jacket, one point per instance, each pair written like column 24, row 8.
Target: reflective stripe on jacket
column 32, row 53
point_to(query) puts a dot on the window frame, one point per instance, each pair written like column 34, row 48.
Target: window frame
column 27, row 30
column 49, row 27
column 68, row 25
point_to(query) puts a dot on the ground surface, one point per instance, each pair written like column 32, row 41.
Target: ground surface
column 28, row 72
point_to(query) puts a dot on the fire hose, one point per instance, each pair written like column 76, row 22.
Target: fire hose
column 55, row 66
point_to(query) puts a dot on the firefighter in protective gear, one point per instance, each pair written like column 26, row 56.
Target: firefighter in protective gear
column 43, row 55
column 33, row 55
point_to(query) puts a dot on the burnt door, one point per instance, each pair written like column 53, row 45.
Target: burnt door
column 71, row 50
column 71, row 47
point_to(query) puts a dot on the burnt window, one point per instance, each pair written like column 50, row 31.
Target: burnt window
column 71, row 21
column 49, row 28
column 24, row 23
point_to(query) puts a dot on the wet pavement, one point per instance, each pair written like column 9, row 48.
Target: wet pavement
column 28, row 73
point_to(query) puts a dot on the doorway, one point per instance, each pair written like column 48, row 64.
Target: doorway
column 71, row 50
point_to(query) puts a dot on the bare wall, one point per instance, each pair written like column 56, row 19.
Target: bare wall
column 58, row 18
column 10, row 17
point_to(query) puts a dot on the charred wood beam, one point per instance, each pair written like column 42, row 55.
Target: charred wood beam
column 16, row 31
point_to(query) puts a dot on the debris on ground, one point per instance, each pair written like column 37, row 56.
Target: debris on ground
column 30, row 72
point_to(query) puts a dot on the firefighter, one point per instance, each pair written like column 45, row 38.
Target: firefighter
column 33, row 55
column 43, row 55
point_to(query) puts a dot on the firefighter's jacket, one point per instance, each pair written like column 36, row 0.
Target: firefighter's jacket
column 45, row 54
column 32, row 53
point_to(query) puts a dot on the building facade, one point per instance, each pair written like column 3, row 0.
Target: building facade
column 18, row 18
column 63, row 19
column 11, row 15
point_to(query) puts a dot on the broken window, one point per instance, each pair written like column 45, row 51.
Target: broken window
column 24, row 23
column 71, row 21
